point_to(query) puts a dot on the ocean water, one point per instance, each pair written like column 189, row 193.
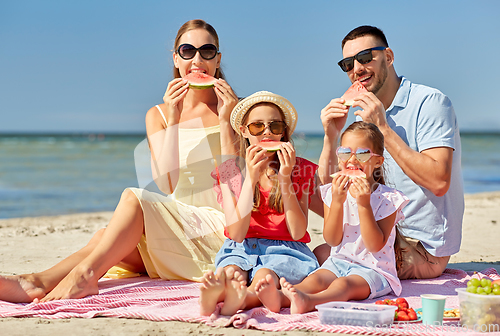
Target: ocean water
column 60, row 174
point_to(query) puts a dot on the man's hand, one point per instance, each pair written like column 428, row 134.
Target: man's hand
column 333, row 117
column 372, row 109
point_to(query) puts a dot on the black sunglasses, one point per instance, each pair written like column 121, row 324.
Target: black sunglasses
column 363, row 57
column 257, row 128
column 207, row 51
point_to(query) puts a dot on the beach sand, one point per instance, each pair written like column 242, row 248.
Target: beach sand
column 34, row 244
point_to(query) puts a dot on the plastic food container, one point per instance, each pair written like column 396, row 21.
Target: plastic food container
column 354, row 313
column 479, row 312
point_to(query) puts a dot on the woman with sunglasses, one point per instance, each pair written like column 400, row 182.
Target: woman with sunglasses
column 166, row 237
column 265, row 201
column 360, row 226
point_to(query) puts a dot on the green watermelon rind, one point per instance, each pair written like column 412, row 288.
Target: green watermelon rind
column 341, row 172
column 275, row 148
column 200, row 86
column 194, row 83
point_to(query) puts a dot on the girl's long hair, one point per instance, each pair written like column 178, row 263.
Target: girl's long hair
column 376, row 137
column 275, row 195
column 192, row 25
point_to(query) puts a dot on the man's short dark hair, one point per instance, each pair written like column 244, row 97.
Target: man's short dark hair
column 363, row 31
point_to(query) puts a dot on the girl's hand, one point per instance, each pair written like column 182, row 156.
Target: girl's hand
column 286, row 155
column 255, row 162
column 360, row 189
column 174, row 95
column 226, row 99
column 340, row 185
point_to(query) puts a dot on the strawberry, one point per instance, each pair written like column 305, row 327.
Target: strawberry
column 412, row 315
column 379, row 302
column 402, row 302
column 402, row 316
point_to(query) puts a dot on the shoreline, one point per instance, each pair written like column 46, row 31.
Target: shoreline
column 32, row 244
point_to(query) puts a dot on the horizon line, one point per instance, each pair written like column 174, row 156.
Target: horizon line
column 143, row 133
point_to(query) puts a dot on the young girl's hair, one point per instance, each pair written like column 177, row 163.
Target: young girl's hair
column 192, row 25
column 376, row 137
column 275, row 194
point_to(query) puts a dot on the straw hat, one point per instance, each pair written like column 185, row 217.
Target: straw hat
column 245, row 104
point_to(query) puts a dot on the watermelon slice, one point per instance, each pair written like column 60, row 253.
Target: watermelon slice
column 351, row 173
column 270, row 146
column 352, row 92
column 198, row 80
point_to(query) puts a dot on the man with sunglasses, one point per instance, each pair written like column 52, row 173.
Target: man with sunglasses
column 423, row 153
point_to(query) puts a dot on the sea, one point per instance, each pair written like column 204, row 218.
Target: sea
column 54, row 174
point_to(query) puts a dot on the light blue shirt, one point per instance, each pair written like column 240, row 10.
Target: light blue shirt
column 424, row 118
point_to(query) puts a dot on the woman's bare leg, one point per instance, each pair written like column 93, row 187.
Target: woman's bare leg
column 77, row 275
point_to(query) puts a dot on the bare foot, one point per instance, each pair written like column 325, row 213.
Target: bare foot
column 236, row 292
column 20, row 288
column 268, row 293
column 211, row 289
column 79, row 283
column 299, row 301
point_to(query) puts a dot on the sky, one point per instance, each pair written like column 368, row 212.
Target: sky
column 98, row 66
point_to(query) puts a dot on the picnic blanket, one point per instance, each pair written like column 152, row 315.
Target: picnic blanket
column 159, row 300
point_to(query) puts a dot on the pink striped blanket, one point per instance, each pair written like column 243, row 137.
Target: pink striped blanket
column 158, row 300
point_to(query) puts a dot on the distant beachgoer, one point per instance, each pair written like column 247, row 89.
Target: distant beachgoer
column 360, row 226
column 423, row 152
column 167, row 237
column 266, row 209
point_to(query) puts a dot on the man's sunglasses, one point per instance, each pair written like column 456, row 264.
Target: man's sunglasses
column 363, row 57
column 207, row 51
column 257, row 128
column 362, row 154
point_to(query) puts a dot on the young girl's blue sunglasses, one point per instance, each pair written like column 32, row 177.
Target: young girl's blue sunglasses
column 362, row 154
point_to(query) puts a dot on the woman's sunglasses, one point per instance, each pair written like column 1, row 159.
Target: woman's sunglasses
column 363, row 57
column 207, row 51
column 362, row 154
column 257, row 128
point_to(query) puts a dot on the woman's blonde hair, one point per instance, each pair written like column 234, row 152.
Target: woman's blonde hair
column 275, row 196
column 192, row 25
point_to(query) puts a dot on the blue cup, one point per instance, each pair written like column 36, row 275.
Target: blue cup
column 432, row 308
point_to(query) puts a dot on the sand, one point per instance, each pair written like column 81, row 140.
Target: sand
column 34, row 244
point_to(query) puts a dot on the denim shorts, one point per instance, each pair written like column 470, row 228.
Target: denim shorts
column 290, row 259
column 379, row 286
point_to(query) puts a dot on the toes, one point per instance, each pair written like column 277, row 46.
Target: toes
column 282, row 282
column 238, row 276
column 229, row 273
column 220, row 272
